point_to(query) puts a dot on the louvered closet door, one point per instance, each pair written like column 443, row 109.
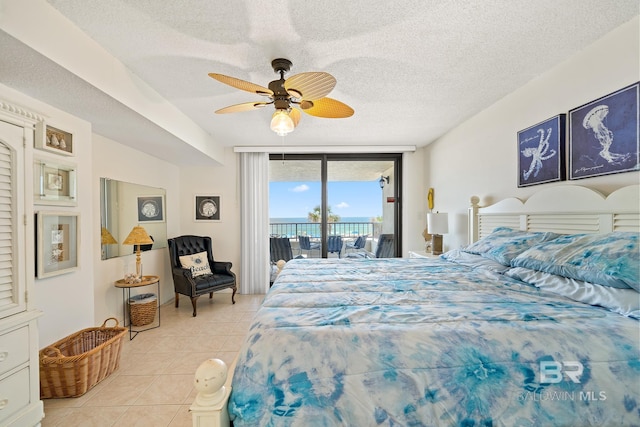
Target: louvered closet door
column 12, row 277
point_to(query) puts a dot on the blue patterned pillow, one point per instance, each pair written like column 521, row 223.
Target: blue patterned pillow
column 611, row 259
column 504, row 244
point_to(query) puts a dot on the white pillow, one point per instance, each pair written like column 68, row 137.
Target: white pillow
column 623, row 301
column 197, row 263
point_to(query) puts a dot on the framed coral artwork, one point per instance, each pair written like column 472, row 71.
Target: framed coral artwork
column 57, row 240
column 541, row 152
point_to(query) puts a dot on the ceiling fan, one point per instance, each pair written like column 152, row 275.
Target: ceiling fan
column 305, row 90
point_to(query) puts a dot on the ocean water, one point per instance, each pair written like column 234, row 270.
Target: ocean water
column 292, row 227
column 342, row 219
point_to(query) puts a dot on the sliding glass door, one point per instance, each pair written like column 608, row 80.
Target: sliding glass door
column 336, row 205
column 295, row 203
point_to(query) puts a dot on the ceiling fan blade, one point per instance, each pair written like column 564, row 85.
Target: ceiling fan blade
column 310, row 86
column 246, row 106
column 327, row 107
column 241, row 84
column 295, row 116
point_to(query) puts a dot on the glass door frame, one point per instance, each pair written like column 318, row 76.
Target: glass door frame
column 325, row 158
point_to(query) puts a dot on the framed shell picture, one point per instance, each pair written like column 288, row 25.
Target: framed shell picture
column 206, row 208
column 57, row 240
column 54, row 140
column 54, row 183
column 151, row 208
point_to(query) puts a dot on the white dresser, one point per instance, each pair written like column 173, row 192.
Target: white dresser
column 20, row 403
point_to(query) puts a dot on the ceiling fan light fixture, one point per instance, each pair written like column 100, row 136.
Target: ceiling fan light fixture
column 281, row 122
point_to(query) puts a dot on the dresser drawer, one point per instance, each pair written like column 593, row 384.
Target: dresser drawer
column 14, row 349
column 14, row 394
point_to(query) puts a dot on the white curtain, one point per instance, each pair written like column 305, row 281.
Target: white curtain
column 254, row 222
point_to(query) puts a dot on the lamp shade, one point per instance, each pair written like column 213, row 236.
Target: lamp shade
column 281, row 122
column 106, row 237
column 138, row 236
column 438, row 223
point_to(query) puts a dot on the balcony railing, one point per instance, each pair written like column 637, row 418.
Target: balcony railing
column 313, row 229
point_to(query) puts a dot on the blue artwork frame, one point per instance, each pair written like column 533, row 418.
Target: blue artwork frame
column 604, row 135
column 541, row 157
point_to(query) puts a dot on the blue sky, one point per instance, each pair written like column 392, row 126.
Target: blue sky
column 347, row 199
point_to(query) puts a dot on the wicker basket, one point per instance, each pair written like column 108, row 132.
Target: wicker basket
column 73, row 365
column 142, row 309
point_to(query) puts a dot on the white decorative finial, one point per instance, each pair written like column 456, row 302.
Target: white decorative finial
column 209, row 381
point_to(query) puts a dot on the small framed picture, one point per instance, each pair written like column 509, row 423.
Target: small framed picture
column 54, row 183
column 207, row 208
column 604, row 135
column 57, row 240
column 541, row 152
column 54, row 140
column 151, row 208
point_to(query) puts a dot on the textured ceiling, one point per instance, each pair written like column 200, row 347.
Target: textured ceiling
column 412, row 70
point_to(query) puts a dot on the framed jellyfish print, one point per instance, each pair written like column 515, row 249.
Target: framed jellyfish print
column 541, row 152
column 604, row 135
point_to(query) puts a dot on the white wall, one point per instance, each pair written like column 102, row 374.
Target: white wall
column 216, row 181
column 414, row 200
column 117, row 161
column 479, row 157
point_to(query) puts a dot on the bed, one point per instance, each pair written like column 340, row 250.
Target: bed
column 534, row 323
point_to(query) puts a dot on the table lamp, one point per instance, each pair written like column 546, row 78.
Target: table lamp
column 437, row 224
column 106, row 237
column 138, row 236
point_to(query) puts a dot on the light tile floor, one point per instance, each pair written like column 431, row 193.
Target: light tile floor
column 154, row 384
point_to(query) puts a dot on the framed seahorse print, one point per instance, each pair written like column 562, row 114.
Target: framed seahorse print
column 604, row 135
column 541, row 152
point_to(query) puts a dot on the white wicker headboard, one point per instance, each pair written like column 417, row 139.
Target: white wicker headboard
column 564, row 209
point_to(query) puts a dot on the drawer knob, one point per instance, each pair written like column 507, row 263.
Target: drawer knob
column 4, row 403
column 3, row 355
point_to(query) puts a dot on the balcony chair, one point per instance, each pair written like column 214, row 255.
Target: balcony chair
column 195, row 275
column 386, row 246
column 334, row 244
column 307, row 245
column 357, row 244
column 279, row 249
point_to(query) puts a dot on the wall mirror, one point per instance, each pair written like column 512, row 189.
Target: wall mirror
column 124, row 205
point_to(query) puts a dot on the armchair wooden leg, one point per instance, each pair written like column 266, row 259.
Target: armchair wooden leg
column 177, row 299
column 210, row 295
column 193, row 303
column 233, row 296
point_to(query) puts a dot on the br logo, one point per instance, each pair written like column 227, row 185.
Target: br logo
column 551, row 371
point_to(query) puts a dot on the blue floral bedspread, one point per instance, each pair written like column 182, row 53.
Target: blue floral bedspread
column 426, row 342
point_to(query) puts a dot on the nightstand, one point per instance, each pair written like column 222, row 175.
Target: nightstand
column 422, row 254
